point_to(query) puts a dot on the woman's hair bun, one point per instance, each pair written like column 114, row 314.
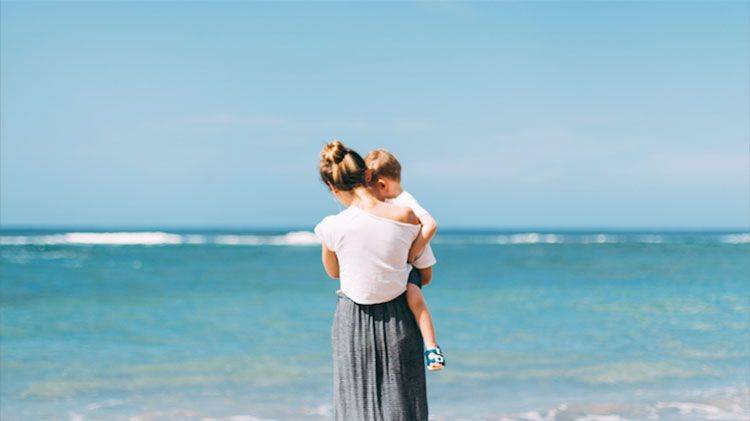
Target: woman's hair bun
column 334, row 151
column 340, row 167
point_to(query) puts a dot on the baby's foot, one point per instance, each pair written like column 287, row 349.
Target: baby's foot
column 434, row 359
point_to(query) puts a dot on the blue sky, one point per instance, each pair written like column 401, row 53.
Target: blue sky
column 503, row 114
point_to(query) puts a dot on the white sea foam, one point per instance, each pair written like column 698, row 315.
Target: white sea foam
column 109, row 403
column 296, row 238
column 736, row 238
column 609, row 417
column 546, row 238
column 300, row 238
column 122, row 238
column 600, row 239
column 729, row 405
column 528, row 238
column 307, row 238
column 237, row 240
column 323, row 410
column 705, row 411
column 74, row 416
column 546, row 415
column 92, row 238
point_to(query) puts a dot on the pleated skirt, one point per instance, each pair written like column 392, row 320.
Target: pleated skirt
column 378, row 368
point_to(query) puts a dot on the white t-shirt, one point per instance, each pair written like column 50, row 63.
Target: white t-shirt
column 372, row 253
column 427, row 258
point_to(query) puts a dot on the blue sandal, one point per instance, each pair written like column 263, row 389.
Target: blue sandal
column 434, row 359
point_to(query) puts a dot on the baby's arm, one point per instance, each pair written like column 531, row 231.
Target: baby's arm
column 429, row 229
column 429, row 226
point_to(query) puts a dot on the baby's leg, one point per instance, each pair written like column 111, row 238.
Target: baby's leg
column 416, row 302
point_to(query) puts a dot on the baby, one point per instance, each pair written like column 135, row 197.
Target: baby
column 386, row 185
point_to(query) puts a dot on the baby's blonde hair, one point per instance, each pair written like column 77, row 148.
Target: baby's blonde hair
column 383, row 164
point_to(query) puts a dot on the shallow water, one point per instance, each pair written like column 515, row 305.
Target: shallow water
column 535, row 325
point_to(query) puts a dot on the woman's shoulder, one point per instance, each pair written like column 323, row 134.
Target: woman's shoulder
column 337, row 217
column 399, row 213
column 330, row 228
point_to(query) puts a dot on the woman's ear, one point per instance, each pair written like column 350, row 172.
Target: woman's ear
column 381, row 184
column 368, row 176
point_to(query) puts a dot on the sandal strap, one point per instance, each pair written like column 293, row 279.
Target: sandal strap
column 435, row 356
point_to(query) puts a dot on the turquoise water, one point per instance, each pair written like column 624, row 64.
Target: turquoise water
column 236, row 325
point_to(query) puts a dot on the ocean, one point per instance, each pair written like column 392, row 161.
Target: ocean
column 235, row 325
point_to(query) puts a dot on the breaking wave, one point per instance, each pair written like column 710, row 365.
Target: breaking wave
column 297, row 238
column 307, row 238
column 728, row 404
column 736, row 238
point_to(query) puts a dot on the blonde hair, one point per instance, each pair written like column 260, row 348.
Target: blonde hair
column 341, row 167
column 383, row 164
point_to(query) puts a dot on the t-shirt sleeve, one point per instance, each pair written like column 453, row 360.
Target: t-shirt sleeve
column 326, row 232
column 406, row 199
column 426, row 259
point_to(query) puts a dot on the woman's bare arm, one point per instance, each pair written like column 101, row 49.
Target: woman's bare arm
column 417, row 247
column 330, row 262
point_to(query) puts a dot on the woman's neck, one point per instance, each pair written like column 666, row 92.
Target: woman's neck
column 361, row 197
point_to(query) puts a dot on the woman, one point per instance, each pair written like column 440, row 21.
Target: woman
column 377, row 348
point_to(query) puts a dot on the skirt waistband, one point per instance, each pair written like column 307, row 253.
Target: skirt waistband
column 341, row 296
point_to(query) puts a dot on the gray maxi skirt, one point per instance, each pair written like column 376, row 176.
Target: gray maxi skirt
column 378, row 371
